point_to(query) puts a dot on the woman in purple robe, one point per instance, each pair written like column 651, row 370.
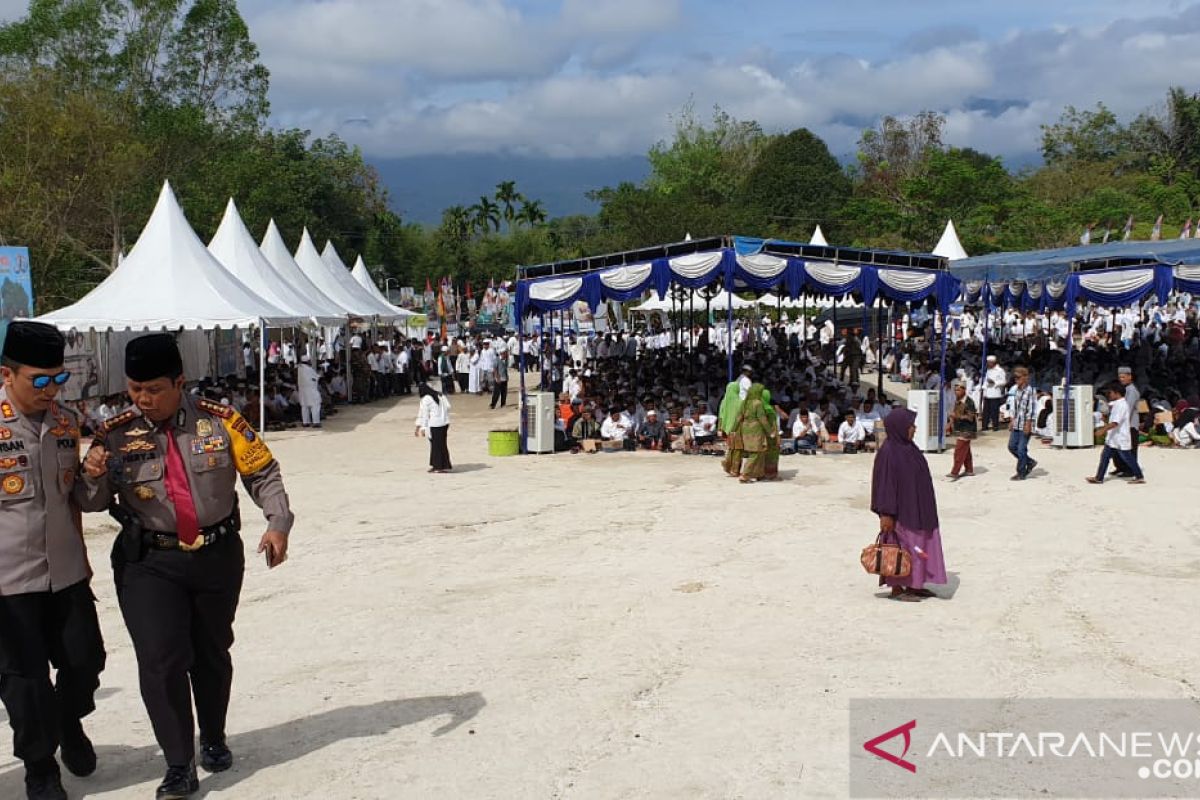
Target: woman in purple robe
column 902, row 495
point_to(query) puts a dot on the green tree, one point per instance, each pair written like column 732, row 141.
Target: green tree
column 532, row 213
column 795, row 184
column 485, row 215
column 705, row 163
column 508, row 197
column 1090, row 136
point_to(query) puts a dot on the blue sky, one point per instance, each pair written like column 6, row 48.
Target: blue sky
column 572, row 78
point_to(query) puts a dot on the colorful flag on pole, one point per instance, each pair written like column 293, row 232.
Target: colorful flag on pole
column 1107, row 231
column 1086, row 238
column 1156, row 234
column 1186, row 233
column 1128, row 229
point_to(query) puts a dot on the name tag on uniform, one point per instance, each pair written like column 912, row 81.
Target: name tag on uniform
column 209, row 444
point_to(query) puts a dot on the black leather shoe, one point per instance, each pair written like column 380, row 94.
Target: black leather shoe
column 77, row 752
column 215, row 756
column 42, row 781
column 180, row 783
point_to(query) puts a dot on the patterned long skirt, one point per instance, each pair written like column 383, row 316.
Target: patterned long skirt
column 732, row 463
column 755, row 467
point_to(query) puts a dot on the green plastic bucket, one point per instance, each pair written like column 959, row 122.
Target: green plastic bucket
column 504, row 443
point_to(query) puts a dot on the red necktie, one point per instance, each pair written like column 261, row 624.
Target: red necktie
column 187, row 524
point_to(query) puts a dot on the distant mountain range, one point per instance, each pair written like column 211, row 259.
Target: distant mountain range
column 421, row 187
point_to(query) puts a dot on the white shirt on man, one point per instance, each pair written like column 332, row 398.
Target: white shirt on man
column 995, row 380
column 851, row 432
column 616, row 428
column 1118, row 438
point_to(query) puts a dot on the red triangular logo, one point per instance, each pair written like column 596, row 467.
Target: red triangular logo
column 904, row 730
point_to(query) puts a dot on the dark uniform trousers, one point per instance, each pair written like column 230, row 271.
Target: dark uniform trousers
column 179, row 608
column 37, row 630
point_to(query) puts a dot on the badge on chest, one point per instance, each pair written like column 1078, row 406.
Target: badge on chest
column 209, row 444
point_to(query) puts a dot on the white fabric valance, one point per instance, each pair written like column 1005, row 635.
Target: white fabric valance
column 761, row 265
column 1035, row 290
column 1115, row 283
column 695, row 265
column 1016, row 288
column 1056, row 288
column 622, row 279
column 905, row 281
column 1188, row 272
column 831, row 274
column 555, row 291
column 998, row 288
column 973, row 287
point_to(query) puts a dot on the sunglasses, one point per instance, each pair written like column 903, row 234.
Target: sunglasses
column 42, row 381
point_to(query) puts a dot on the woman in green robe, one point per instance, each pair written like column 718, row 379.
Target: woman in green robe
column 731, row 407
column 771, row 467
column 758, row 429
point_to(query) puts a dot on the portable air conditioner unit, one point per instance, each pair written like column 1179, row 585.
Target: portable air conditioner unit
column 1078, row 423
column 539, row 422
column 924, row 404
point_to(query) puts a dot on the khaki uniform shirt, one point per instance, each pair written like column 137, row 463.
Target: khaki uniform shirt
column 41, row 533
column 216, row 445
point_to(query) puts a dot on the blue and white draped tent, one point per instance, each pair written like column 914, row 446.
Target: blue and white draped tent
column 737, row 264
column 1118, row 274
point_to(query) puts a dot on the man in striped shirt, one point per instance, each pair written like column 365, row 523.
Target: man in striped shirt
column 1021, row 428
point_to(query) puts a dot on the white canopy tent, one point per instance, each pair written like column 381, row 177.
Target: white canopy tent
column 383, row 309
column 352, row 297
column 652, row 305
column 818, row 238
column 720, row 302
column 949, row 246
column 169, row 281
column 289, row 272
column 363, row 277
column 236, row 249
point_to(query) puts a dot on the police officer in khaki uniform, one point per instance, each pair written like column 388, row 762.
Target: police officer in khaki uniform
column 172, row 461
column 47, row 610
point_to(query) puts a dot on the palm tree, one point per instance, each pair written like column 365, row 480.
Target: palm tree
column 457, row 222
column 532, row 213
column 508, row 197
column 486, row 215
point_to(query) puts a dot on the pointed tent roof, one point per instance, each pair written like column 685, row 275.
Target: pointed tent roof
column 360, row 274
column 169, row 280
column 818, row 238
column 949, row 246
column 280, row 259
column 340, row 287
column 236, row 249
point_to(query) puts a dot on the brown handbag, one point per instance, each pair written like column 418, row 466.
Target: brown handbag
column 886, row 560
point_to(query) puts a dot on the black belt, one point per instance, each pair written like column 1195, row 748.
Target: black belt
column 209, row 534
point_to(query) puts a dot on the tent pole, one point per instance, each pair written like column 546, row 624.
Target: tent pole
column 879, row 348
column 262, row 379
column 519, row 322
column 1067, row 383
column 346, row 355
column 729, row 331
column 987, row 331
column 942, row 389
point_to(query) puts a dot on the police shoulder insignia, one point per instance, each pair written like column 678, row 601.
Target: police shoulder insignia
column 12, row 484
column 214, row 408
column 5, row 434
column 128, row 415
column 6, row 409
column 136, row 432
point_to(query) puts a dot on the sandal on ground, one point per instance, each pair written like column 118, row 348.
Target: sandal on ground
column 921, row 593
column 1091, row 479
column 905, row 597
column 1138, row 481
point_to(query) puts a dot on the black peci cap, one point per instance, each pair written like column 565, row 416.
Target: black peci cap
column 153, row 356
column 34, row 344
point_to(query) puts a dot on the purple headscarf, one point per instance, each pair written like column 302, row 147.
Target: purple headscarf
column 901, row 485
